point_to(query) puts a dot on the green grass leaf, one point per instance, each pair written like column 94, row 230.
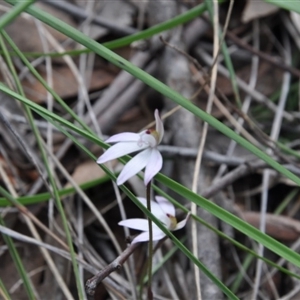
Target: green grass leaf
column 14, row 12
column 235, row 222
column 292, row 5
column 18, row 262
column 155, row 84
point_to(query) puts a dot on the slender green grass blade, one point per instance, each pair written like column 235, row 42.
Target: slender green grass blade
column 41, row 80
column 155, row 84
column 227, row 58
column 43, row 197
column 142, row 35
column 224, row 236
column 14, row 12
column 240, row 228
column 179, row 244
column 225, row 290
column 227, row 217
column 18, row 262
column 292, row 5
column 232, row 220
column 249, row 258
column 4, row 291
column 251, row 252
column 49, row 172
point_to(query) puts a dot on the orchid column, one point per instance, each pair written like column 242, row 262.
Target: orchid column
column 149, row 159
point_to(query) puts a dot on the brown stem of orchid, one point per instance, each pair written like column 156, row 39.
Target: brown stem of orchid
column 150, row 244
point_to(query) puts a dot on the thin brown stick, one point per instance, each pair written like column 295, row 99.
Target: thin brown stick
column 230, row 177
column 92, row 283
column 272, row 60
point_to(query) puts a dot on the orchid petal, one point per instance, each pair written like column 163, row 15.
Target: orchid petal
column 137, row 224
column 124, row 137
column 149, row 139
column 156, row 211
column 134, row 166
column 166, row 206
column 119, row 150
column 144, row 237
column 154, row 165
column 143, row 201
column 158, row 235
column 159, row 126
column 182, row 223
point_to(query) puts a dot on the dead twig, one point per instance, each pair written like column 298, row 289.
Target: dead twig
column 80, row 13
column 92, row 283
column 231, row 177
column 272, row 60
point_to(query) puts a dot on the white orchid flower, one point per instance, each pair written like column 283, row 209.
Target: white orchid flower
column 129, row 142
column 164, row 211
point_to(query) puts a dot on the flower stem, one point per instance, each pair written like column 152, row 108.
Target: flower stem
column 150, row 245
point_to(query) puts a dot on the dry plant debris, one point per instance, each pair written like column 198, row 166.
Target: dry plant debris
column 263, row 107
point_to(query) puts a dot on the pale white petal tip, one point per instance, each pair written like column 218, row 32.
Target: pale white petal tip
column 147, row 180
column 123, row 137
column 153, row 167
column 142, row 237
column 166, row 206
column 100, row 160
column 159, row 126
column 120, row 182
column 182, row 223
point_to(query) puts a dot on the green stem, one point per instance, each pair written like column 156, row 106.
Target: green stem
column 150, row 245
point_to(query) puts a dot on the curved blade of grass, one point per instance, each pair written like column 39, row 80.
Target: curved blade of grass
column 49, row 172
column 240, row 228
column 220, row 213
column 229, row 218
column 249, row 258
column 3, row 291
column 289, row 5
column 47, row 114
column 215, row 123
column 142, row 35
column 240, row 276
column 14, row 12
column 251, row 253
column 41, row 79
column 236, row 222
column 202, row 267
column 169, row 24
column 155, row 84
column 42, row 197
column 240, row 222
column 178, row 243
column 18, row 263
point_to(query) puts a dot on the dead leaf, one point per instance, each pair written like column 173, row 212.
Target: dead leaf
column 257, row 9
column 85, row 172
column 64, row 83
column 279, row 227
column 25, row 34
